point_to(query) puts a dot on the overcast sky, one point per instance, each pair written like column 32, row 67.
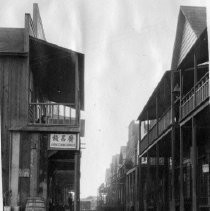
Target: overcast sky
column 127, row 45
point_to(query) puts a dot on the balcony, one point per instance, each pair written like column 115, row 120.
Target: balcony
column 158, row 129
column 53, row 114
column 195, row 97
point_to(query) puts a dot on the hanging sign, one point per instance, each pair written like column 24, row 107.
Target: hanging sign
column 63, row 142
column 205, row 168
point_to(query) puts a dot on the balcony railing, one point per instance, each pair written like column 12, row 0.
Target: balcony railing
column 195, row 97
column 53, row 114
column 162, row 125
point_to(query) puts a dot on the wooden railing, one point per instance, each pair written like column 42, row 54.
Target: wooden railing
column 196, row 96
column 162, row 124
column 153, row 134
column 164, row 121
column 53, row 114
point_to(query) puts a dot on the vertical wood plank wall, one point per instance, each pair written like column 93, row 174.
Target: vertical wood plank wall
column 14, row 84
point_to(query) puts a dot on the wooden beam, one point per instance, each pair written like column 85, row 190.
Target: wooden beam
column 15, row 168
column 147, row 181
column 77, row 182
column 156, row 110
column 63, row 160
column 157, row 177
column 172, row 144
column 47, row 128
column 194, row 165
column 34, row 165
column 181, row 149
column 1, row 99
column 181, row 172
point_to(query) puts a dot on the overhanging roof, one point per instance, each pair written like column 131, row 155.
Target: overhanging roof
column 163, row 92
column 196, row 17
column 54, row 70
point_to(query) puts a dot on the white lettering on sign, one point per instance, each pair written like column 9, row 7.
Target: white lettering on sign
column 63, row 141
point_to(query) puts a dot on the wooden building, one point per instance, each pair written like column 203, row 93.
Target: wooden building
column 120, row 190
column 173, row 170
column 41, row 95
column 175, row 149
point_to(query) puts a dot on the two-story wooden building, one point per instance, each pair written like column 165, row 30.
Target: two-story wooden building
column 41, row 95
column 174, row 152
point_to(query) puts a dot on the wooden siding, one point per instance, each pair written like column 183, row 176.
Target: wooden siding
column 188, row 40
column 15, row 90
column 11, row 40
column 14, row 101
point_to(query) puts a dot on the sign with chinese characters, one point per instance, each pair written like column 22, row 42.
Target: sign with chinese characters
column 63, row 142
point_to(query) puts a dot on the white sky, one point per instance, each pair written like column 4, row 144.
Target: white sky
column 128, row 46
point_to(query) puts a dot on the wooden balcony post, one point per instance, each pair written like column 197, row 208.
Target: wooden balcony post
column 181, row 146
column 148, row 128
column 139, row 138
column 147, row 181
column 181, row 182
column 34, row 165
column 156, row 110
column 157, row 176
column 181, row 93
column 194, row 165
column 1, row 189
column 77, row 181
column 77, row 97
column 140, row 185
column 172, row 144
column 195, row 72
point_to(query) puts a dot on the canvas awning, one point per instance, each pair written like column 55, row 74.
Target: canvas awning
column 54, row 70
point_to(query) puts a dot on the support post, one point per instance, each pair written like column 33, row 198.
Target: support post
column 181, row 182
column 156, row 110
column 194, row 166
column 140, row 185
column 147, row 181
column 1, row 189
column 195, row 73
column 157, row 176
column 148, row 128
column 34, row 165
column 77, row 182
column 172, row 144
column 181, row 148
column 15, row 168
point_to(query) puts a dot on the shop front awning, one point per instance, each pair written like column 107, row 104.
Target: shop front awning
column 54, row 70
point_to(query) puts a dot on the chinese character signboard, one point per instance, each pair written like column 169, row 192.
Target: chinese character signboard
column 63, row 142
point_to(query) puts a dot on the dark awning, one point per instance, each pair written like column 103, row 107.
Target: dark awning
column 54, row 70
